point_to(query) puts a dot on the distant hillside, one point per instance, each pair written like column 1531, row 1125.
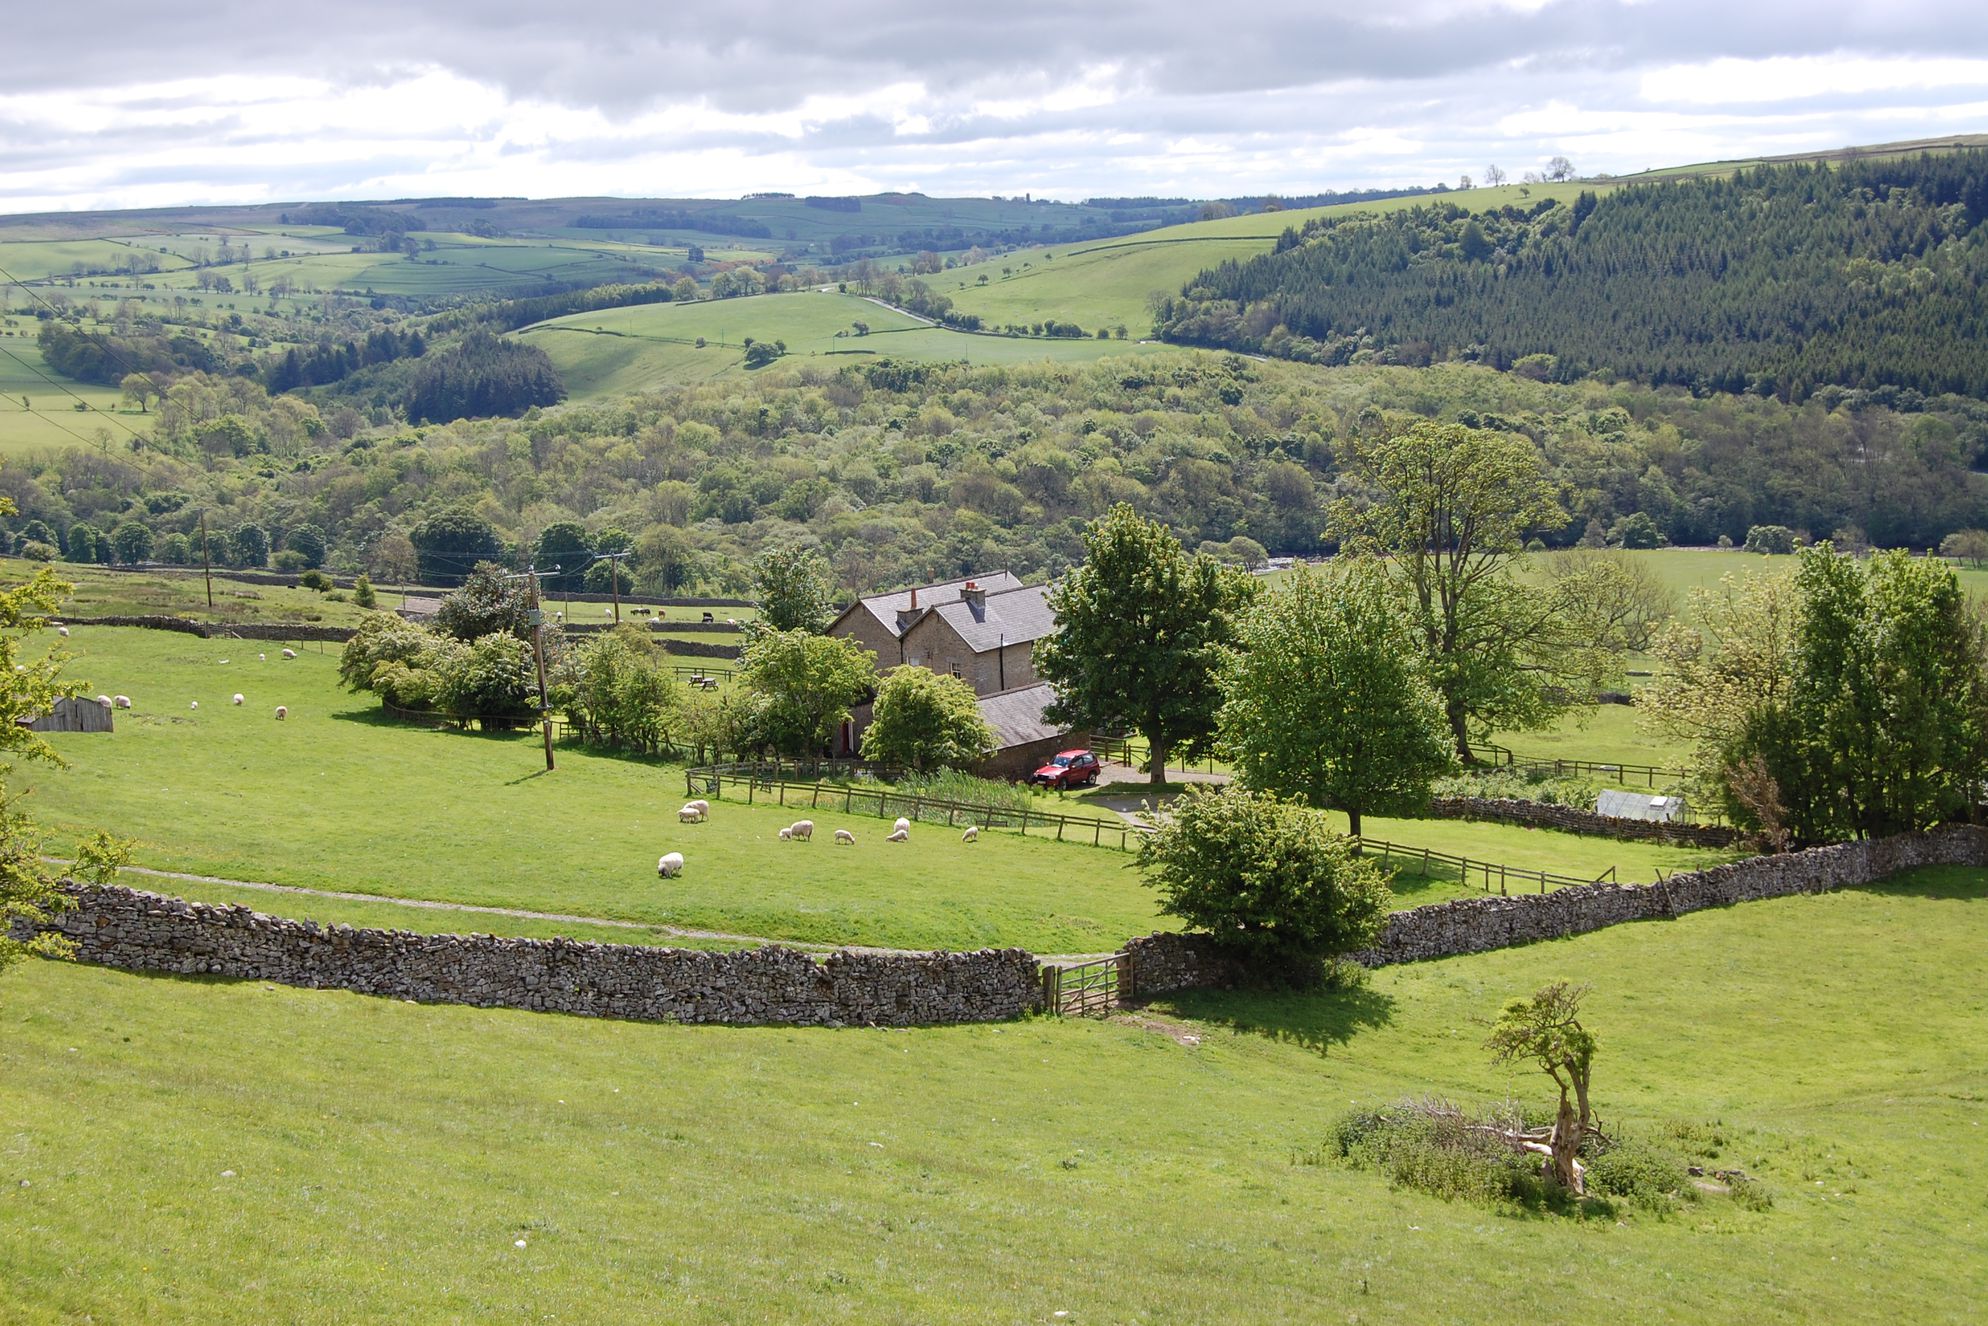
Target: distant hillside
column 1776, row 279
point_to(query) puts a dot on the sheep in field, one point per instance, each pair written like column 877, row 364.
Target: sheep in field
column 971, row 835
column 62, row 631
column 689, row 815
column 669, row 865
column 104, row 700
column 196, row 704
column 802, row 829
column 701, row 806
column 238, row 697
column 903, row 825
column 785, row 834
column 902, row 835
column 120, row 701
column 282, row 712
column 262, row 658
column 844, row 836
column 289, row 653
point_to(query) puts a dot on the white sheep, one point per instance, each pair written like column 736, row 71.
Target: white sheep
column 194, row 705
column 971, row 835
column 903, row 825
column 282, row 712
column 289, row 653
column 262, row 658
column 238, row 697
column 785, row 834
column 701, row 806
column 902, row 835
column 669, row 865
column 104, row 700
column 688, row 815
column 802, row 829
column 224, row 662
column 62, row 631
column 120, row 701
column 844, row 836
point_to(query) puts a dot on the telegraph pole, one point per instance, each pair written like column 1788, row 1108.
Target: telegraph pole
column 613, row 561
column 206, row 563
column 535, row 618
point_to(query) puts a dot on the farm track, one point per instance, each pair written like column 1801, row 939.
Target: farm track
column 429, row 904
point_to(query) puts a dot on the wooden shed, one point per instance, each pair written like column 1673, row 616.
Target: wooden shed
column 78, row 715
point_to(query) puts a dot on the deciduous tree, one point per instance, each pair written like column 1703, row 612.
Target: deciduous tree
column 1141, row 628
column 804, row 685
column 1546, row 1030
column 1325, row 700
column 923, row 721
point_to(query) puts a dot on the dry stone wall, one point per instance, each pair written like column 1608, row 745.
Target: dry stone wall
column 119, row 927
column 1570, row 819
column 223, row 630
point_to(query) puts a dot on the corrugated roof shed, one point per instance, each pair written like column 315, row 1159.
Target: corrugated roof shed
column 1640, row 806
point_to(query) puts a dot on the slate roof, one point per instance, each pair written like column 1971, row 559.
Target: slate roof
column 1016, row 715
column 885, row 607
column 1013, row 617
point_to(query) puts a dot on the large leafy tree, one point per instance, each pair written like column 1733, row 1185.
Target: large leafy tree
column 1325, row 699
column 1447, row 510
column 564, row 544
column 802, row 687
column 1266, row 879
column 1141, row 629
column 923, row 720
column 794, row 588
column 450, row 542
column 488, row 603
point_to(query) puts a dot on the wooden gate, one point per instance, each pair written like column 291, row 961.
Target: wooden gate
column 1091, row 988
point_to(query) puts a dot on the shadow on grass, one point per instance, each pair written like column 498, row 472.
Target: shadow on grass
column 1316, row 1021
column 1942, row 883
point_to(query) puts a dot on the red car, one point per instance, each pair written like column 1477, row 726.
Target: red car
column 1071, row 768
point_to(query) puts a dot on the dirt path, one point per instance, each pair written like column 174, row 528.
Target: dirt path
column 561, row 918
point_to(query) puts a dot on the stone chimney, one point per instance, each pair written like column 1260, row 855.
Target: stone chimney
column 906, row 616
column 975, row 599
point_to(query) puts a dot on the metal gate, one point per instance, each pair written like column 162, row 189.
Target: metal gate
column 1091, row 988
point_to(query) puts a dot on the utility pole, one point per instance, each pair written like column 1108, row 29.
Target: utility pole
column 613, row 561
column 535, row 618
column 206, row 563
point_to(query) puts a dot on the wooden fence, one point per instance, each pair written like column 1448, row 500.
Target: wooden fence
column 1084, row 988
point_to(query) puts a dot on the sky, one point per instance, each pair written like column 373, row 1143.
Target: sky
column 132, row 103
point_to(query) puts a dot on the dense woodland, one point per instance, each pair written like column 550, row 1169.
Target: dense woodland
column 1777, row 281
column 906, row 471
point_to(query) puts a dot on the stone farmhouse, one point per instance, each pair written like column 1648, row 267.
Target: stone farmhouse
column 981, row 629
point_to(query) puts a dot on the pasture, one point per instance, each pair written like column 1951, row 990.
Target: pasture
column 229, row 792
column 102, row 592
column 235, row 1152
column 613, row 352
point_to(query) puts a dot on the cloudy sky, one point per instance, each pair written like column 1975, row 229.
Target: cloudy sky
column 133, row 103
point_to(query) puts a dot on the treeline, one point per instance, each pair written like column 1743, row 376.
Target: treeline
column 511, row 314
column 328, row 361
column 901, row 471
column 483, row 375
column 660, row 218
column 1777, row 281
column 104, row 358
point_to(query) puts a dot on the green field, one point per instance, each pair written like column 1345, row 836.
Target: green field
column 1110, row 282
column 38, row 405
column 227, row 791
column 236, row 1152
column 617, row 351
column 101, row 592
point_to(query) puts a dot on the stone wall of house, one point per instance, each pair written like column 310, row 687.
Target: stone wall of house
column 1569, row 819
column 119, row 927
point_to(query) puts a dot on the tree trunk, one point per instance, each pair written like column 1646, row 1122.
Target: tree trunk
column 1459, row 730
column 1566, row 1143
column 1158, row 751
column 1353, row 821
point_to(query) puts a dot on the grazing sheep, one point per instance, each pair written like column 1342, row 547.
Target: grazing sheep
column 844, row 836
column 282, row 712
column 194, row 705
column 238, row 697
column 104, row 700
column 688, row 815
column 120, row 701
column 971, row 835
column 903, row 825
column 701, row 806
column 669, row 865
column 902, row 835
column 785, row 834
column 224, row 662
column 62, row 631
column 289, row 653
column 802, row 829
column 262, row 658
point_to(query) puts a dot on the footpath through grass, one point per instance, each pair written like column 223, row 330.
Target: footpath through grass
column 234, row 1152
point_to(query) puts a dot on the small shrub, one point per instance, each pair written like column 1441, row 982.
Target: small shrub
column 362, row 593
column 1435, row 1148
column 1750, row 1193
column 316, row 580
column 1638, row 1172
column 1519, row 785
column 289, row 560
column 36, row 551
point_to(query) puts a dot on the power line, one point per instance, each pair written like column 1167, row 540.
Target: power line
column 45, row 415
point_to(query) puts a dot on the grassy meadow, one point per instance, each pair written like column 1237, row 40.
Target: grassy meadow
column 229, row 792
column 236, row 1152
column 101, row 592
